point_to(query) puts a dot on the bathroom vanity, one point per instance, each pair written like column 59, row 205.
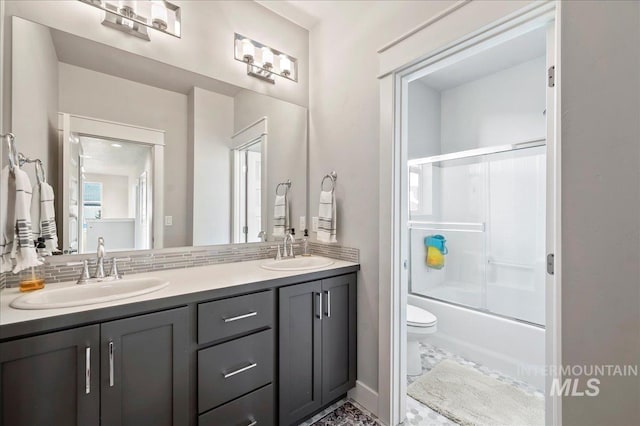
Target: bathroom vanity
column 220, row 345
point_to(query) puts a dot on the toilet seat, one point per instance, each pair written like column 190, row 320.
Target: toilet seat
column 418, row 317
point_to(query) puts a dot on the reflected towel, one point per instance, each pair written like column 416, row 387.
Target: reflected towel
column 327, row 218
column 43, row 216
column 280, row 215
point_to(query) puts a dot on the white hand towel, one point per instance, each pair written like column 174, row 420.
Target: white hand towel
column 327, row 222
column 6, row 217
column 280, row 216
column 43, row 216
column 35, row 210
column 17, row 236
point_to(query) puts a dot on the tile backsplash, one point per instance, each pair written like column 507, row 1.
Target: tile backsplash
column 59, row 269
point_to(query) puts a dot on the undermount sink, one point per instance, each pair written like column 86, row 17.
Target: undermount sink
column 88, row 294
column 301, row 263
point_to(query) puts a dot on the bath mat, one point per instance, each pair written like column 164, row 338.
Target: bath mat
column 346, row 415
column 469, row 397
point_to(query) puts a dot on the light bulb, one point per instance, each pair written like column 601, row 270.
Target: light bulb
column 267, row 57
column 128, row 8
column 248, row 50
column 285, row 65
column 159, row 15
column 127, row 22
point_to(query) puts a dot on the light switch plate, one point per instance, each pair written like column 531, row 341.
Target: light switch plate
column 168, row 221
column 314, row 224
column 303, row 223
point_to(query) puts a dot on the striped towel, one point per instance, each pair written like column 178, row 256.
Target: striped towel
column 280, row 216
column 327, row 218
column 43, row 216
column 16, row 239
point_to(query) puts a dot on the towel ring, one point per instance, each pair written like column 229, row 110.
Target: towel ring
column 333, row 176
column 40, row 174
column 286, row 184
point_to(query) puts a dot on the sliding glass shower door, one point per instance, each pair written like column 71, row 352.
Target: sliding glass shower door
column 489, row 206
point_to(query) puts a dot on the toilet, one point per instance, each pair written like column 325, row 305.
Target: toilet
column 419, row 323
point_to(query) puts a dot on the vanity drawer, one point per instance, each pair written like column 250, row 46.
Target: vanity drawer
column 255, row 407
column 235, row 368
column 236, row 315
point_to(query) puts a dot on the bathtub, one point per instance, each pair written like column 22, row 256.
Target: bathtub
column 514, row 348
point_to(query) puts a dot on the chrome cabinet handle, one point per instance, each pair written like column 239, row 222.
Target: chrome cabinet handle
column 111, row 364
column 241, row 370
column 253, row 423
column 87, row 370
column 239, row 317
column 319, row 312
column 328, row 292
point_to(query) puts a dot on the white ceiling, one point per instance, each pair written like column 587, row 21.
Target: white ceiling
column 101, row 157
column 518, row 50
column 305, row 13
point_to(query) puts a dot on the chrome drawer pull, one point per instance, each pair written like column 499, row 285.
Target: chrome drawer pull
column 111, row 364
column 328, row 292
column 253, row 423
column 242, row 370
column 87, row 370
column 239, row 317
column 319, row 312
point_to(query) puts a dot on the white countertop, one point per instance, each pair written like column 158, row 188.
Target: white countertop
column 181, row 282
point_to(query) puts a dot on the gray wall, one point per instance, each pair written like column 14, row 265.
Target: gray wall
column 344, row 136
column 206, row 45
column 94, row 94
column 35, row 100
column 212, row 123
column 286, row 148
column 601, row 203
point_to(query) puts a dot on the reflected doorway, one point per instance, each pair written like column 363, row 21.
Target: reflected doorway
column 114, row 194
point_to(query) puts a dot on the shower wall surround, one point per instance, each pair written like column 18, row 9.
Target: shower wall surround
column 177, row 258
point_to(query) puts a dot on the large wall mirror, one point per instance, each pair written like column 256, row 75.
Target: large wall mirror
column 148, row 155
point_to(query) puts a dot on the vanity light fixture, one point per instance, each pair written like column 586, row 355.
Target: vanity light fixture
column 134, row 17
column 264, row 62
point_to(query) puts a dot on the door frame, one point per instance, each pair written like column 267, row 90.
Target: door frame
column 70, row 125
column 490, row 24
column 255, row 132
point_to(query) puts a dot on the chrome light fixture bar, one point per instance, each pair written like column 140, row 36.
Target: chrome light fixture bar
column 134, row 17
column 264, row 62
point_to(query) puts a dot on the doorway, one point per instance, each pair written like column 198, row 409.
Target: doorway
column 475, row 167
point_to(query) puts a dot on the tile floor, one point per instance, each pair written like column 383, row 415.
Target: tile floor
column 419, row 414
column 345, row 412
column 348, row 413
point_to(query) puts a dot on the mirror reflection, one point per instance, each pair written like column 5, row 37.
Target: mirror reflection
column 148, row 155
column 110, row 194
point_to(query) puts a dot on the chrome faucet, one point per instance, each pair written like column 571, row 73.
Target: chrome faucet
column 289, row 237
column 99, row 274
column 100, row 263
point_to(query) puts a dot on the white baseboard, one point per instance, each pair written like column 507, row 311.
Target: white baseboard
column 365, row 396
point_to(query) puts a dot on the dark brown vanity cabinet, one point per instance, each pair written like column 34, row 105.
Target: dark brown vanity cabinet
column 51, row 380
column 144, row 371
column 269, row 354
column 236, row 373
column 132, row 371
column 317, row 345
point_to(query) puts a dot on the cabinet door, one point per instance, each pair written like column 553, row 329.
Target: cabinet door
column 144, row 370
column 51, row 379
column 300, row 316
column 338, row 336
